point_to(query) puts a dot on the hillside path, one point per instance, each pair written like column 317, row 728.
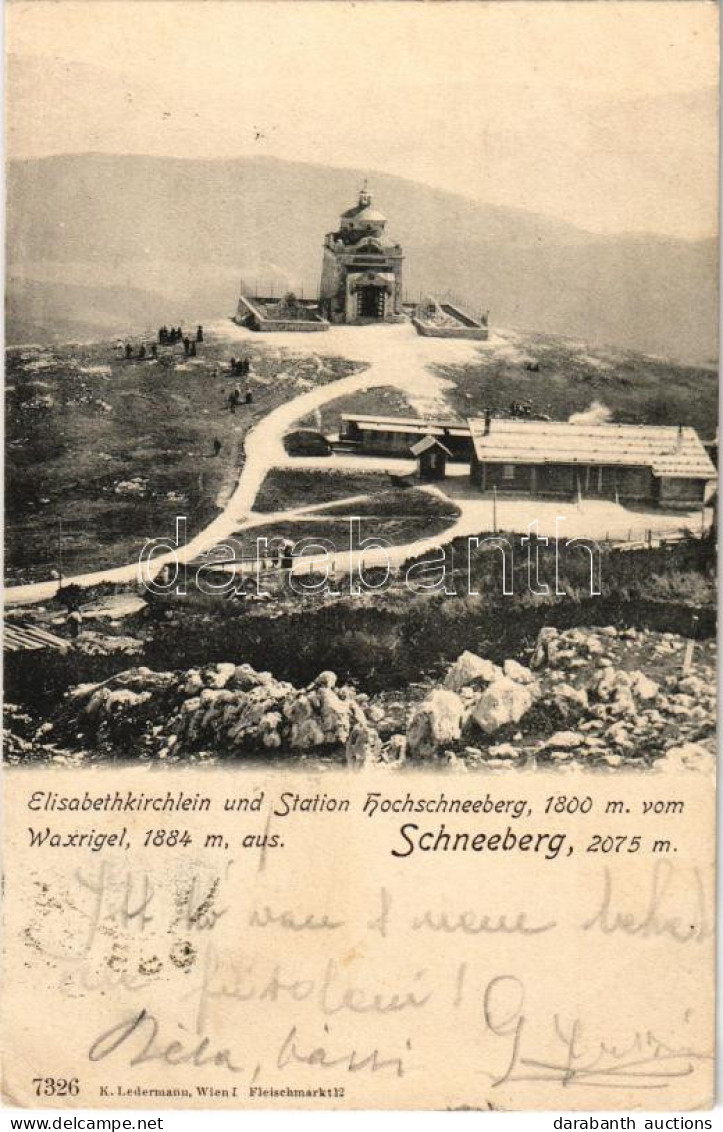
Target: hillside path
column 394, row 356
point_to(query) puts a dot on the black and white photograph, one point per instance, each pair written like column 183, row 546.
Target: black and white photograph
column 360, row 555
column 358, row 412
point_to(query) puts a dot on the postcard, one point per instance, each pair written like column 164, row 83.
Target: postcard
column 360, row 555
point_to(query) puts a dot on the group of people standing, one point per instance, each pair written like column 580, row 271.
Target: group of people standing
column 240, row 367
column 235, row 398
column 141, row 353
column 168, row 337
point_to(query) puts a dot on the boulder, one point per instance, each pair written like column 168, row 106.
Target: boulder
column 518, row 672
column 643, row 687
column 193, row 684
column 585, row 640
column 122, row 698
column 618, row 733
column 613, row 760
column 623, row 703
column 468, row 669
column 565, row 740
column 245, row 677
column 326, row 680
column 693, row 685
column 222, row 675
column 545, row 638
column 436, row 722
column 337, row 715
column 504, row 751
column 504, row 702
column 269, row 730
column 558, row 654
column 395, row 751
column 572, row 695
column 363, row 747
column 306, row 734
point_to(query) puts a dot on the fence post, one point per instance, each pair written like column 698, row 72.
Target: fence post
column 690, row 645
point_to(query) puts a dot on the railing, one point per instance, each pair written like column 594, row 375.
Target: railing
column 640, row 538
column 465, row 306
column 261, row 289
column 479, row 314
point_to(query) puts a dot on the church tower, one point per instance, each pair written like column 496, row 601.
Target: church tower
column 361, row 274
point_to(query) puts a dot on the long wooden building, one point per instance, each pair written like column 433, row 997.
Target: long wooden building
column 381, row 436
column 662, row 465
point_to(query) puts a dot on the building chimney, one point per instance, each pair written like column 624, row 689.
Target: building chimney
column 679, row 443
column 488, row 422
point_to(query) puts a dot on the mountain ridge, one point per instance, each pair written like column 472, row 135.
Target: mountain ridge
column 133, row 221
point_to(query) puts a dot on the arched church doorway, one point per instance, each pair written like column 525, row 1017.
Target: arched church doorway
column 370, row 302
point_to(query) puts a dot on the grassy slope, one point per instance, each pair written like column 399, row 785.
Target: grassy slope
column 285, row 488
column 159, row 423
column 397, row 515
column 73, row 436
column 629, row 387
column 385, row 401
column 634, row 388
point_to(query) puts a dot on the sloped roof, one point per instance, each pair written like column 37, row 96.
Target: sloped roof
column 373, row 423
column 19, row 635
column 426, row 443
column 666, row 450
column 364, row 213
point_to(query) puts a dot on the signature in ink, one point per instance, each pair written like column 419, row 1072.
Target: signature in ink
column 643, row 1061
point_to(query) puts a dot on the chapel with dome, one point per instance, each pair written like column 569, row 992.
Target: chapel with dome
column 361, row 275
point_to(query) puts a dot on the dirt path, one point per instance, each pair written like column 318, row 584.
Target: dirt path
column 394, row 355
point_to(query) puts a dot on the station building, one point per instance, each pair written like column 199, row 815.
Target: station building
column 661, row 465
column 379, row 436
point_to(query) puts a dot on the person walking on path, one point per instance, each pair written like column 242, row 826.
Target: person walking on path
column 74, row 621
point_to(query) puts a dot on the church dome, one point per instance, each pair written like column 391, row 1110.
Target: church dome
column 370, row 216
column 362, row 214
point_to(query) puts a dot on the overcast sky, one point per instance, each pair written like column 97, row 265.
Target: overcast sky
column 601, row 113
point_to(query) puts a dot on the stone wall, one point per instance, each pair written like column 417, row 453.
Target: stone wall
column 463, row 327
column 248, row 314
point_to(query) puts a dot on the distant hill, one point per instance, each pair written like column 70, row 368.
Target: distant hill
column 104, row 244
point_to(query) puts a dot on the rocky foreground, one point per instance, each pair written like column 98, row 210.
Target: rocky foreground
column 600, row 697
